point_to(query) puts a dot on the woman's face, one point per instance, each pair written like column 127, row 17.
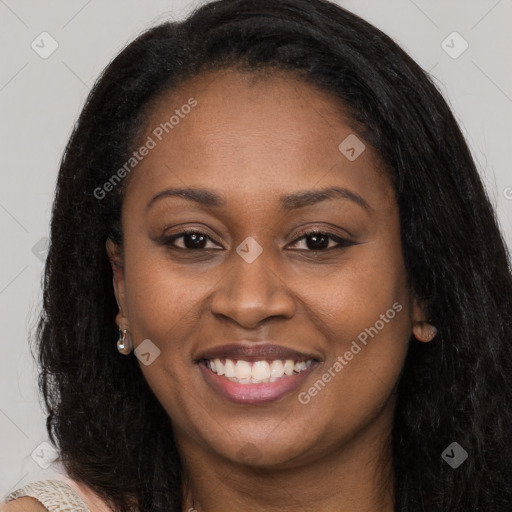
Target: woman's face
column 247, row 288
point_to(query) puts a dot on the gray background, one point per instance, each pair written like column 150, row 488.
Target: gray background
column 41, row 98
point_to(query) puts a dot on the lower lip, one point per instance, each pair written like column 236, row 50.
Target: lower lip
column 254, row 393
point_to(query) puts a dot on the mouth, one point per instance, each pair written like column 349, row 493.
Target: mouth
column 256, row 373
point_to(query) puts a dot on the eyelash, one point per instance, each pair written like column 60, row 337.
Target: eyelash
column 342, row 242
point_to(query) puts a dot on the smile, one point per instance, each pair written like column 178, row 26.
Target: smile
column 255, row 382
column 256, row 372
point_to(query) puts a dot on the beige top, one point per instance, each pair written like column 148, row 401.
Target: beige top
column 63, row 495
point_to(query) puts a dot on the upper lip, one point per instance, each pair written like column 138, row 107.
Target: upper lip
column 254, row 353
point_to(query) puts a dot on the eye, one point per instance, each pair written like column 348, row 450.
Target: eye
column 314, row 240
column 192, row 240
column 319, row 240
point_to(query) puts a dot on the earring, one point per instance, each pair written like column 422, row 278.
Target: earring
column 424, row 332
column 124, row 343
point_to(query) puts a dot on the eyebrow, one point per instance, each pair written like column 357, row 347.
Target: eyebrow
column 289, row 202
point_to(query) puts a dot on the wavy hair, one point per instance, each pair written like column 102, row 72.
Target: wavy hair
column 112, row 432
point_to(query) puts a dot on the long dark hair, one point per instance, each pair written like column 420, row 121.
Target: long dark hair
column 112, row 432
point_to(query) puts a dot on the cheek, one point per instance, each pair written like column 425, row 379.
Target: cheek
column 364, row 314
column 162, row 296
column 354, row 296
column 163, row 303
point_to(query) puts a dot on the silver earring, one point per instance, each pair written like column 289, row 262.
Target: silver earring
column 124, row 343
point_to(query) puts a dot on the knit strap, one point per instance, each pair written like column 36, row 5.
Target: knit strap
column 55, row 495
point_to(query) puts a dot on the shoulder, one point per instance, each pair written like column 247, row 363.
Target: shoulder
column 44, row 496
column 50, row 495
column 23, row 505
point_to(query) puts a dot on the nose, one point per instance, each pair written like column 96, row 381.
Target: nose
column 251, row 293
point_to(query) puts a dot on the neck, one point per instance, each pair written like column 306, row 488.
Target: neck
column 357, row 477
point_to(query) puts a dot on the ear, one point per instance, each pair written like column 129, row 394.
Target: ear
column 421, row 328
column 419, row 311
column 116, row 260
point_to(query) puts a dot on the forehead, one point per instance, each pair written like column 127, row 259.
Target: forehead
column 258, row 133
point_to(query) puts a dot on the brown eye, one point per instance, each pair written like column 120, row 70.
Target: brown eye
column 319, row 240
column 314, row 241
column 192, row 240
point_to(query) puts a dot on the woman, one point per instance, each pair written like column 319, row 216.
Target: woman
column 272, row 209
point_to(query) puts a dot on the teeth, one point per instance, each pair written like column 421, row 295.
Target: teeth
column 256, row 372
column 229, row 368
column 260, row 370
column 300, row 367
column 219, row 367
column 276, row 368
column 288, row 367
column 243, row 370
